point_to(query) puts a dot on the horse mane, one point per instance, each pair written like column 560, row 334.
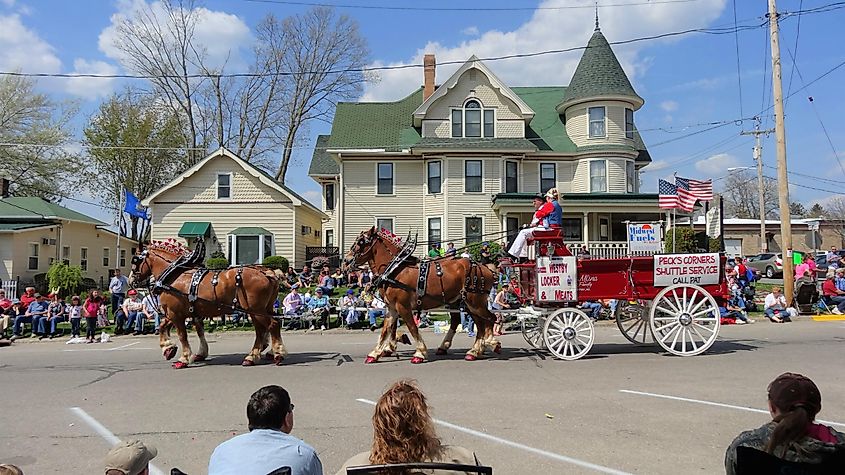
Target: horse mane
column 390, row 237
column 170, row 246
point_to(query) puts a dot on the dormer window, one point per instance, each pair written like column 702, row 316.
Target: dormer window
column 473, row 121
column 597, row 122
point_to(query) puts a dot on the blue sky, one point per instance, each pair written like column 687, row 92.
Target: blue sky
column 686, row 81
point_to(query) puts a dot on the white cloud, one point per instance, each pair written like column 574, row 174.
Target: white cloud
column 8, row 3
column 656, row 166
column 91, row 88
column 313, row 196
column 470, row 31
column 221, row 34
column 22, row 49
column 669, row 106
column 543, row 31
column 716, row 164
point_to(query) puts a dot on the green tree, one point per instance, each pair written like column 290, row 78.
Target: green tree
column 685, row 240
column 816, row 211
column 135, row 143
column 37, row 131
column 797, row 209
column 63, row 278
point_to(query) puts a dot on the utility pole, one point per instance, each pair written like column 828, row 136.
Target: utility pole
column 783, row 178
column 761, row 198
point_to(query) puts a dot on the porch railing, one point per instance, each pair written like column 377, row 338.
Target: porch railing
column 603, row 249
column 11, row 288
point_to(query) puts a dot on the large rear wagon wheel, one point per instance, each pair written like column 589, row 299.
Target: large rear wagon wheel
column 684, row 319
column 532, row 331
column 632, row 320
column 569, row 334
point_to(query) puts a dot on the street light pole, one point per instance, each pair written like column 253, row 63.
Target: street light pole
column 780, row 138
column 761, row 197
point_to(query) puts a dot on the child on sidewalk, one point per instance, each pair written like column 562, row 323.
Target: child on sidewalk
column 74, row 314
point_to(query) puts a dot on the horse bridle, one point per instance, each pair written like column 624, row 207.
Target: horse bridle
column 363, row 240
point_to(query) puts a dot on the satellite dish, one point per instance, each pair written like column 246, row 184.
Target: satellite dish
column 813, row 239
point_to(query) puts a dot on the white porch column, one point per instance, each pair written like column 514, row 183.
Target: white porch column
column 586, row 231
column 503, row 225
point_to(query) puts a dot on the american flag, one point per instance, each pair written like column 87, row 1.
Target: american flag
column 700, row 189
column 686, row 200
column 667, row 195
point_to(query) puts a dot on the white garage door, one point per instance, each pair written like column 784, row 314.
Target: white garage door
column 733, row 247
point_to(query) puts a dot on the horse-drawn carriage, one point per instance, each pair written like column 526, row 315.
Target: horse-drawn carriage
column 671, row 299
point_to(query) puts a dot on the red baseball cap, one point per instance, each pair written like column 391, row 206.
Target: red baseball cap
column 133, row 292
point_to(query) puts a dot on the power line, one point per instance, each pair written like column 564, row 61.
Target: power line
column 797, row 35
column 461, row 9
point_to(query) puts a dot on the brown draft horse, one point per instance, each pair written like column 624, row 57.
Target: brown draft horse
column 255, row 296
column 377, row 249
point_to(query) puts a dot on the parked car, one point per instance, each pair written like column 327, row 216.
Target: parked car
column 769, row 264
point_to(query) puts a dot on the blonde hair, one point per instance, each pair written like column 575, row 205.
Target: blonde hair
column 9, row 469
column 403, row 430
column 552, row 193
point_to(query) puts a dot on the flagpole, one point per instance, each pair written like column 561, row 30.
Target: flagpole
column 119, row 215
column 674, row 225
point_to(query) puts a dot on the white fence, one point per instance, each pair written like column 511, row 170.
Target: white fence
column 11, row 288
column 603, row 249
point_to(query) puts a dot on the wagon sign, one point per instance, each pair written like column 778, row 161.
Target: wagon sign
column 557, row 279
column 644, row 237
column 698, row 269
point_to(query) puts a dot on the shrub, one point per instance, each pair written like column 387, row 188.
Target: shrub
column 475, row 250
column 276, row 262
column 216, row 263
column 64, row 278
column 685, row 240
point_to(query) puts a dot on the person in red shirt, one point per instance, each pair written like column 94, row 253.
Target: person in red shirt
column 543, row 209
column 834, row 295
column 28, row 297
column 5, row 304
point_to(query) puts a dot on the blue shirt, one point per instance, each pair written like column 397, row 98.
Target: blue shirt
column 556, row 218
column 317, row 302
column 261, row 451
column 38, row 307
column 119, row 285
column 840, row 283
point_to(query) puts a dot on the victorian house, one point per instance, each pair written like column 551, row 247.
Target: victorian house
column 460, row 161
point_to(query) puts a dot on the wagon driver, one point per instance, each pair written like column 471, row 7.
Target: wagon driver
column 549, row 215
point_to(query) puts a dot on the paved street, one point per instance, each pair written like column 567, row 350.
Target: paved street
column 521, row 412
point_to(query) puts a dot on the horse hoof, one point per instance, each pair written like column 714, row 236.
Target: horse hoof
column 248, row 363
column 470, row 357
column 370, row 360
column 169, row 353
column 498, row 348
column 179, row 365
column 277, row 360
column 199, row 358
column 440, row 352
column 417, row 360
column 386, row 353
column 268, row 356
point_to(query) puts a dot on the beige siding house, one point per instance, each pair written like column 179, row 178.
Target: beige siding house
column 239, row 210
column 461, row 161
column 35, row 233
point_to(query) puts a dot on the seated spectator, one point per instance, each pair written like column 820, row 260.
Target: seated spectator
column 37, row 309
column 327, row 283
column 805, row 279
column 583, row 253
column 133, row 308
column 776, row 309
column 794, row 401
column 5, row 303
column 339, row 277
column 55, row 314
column 732, row 311
column 151, row 308
column 403, row 432
column 28, row 296
column 268, row 446
column 592, row 308
column 366, row 277
column 612, row 304
column 130, row 458
column 840, row 278
column 319, row 306
column 305, row 277
column 833, row 258
column 834, row 295
column 450, row 250
column 352, row 279
column 37, row 326
column 377, row 308
column 347, row 307
column 434, row 252
column 10, row 315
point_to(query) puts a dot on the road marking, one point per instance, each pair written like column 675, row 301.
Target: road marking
column 717, row 404
column 106, row 434
column 109, row 349
column 517, row 445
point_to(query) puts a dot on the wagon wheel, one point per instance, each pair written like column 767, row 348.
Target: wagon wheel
column 569, row 333
column 684, row 319
column 532, row 331
column 633, row 323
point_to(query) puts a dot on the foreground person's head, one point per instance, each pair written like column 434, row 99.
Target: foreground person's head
column 270, row 408
column 402, row 426
column 794, row 401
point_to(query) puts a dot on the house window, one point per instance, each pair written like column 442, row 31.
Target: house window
column 434, row 176
column 122, row 258
column 83, row 258
column 629, row 123
column 329, row 238
column 572, row 230
column 384, row 223
column 435, row 234
column 66, row 255
column 473, row 121
column 511, row 177
column 472, row 176
column 249, row 249
column 597, row 125
column 630, row 176
column 473, row 231
column 548, row 177
column 598, row 176
column 33, row 256
column 385, row 178
column 224, row 186
column 329, row 195
column 106, row 257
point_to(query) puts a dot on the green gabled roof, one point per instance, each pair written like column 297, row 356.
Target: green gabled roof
column 250, row 231
column 19, row 226
column 31, row 207
column 547, row 130
column 376, row 125
column 516, row 144
column 321, row 161
column 598, row 74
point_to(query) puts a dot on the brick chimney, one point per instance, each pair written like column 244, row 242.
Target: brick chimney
column 429, row 64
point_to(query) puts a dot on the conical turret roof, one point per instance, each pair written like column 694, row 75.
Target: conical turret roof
column 598, row 74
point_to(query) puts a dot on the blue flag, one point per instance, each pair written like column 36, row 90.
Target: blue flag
column 133, row 206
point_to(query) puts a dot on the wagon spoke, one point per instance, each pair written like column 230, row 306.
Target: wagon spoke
column 677, row 334
column 686, row 301
column 711, row 330
column 582, row 341
column 638, row 321
column 664, row 327
column 668, row 302
column 670, row 312
column 691, row 299
column 668, row 334
column 678, row 303
column 703, row 340
column 683, row 340
column 698, row 305
column 702, row 312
